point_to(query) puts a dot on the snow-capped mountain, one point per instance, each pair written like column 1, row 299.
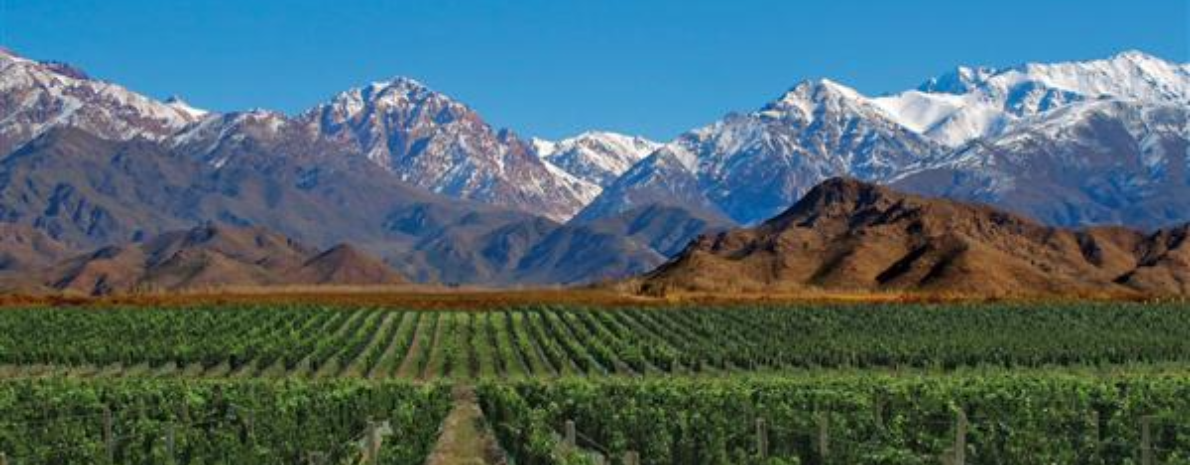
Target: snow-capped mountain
column 596, row 157
column 980, row 102
column 427, row 139
column 420, row 136
column 218, row 137
column 749, row 167
column 664, row 178
column 38, row 96
column 1108, row 161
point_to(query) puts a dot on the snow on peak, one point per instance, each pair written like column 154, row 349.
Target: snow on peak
column 1130, row 75
column 819, row 90
column 400, row 94
column 543, row 147
column 597, row 157
column 1135, row 56
column 981, row 102
column 960, row 81
column 402, row 82
column 177, row 103
column 808, row 98
column 408, row 87
column 46, row 95
column 7, row 55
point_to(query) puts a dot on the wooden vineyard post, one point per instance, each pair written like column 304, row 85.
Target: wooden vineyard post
column 184, row 412
column 631, row 458
column 1146, row 440
column 1096, row 435
column 878, row 410
column 250, row 426
column 824, row 439
column 3, row 459
column 374, row 438
column 762, row 439
column 371, row 448
column 109, row 437
column 315, row 458
column 960, row 438
column 571, row 435
column 169, row 443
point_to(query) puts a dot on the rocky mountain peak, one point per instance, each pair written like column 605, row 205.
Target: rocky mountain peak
column 597, row 157
column 436, row 143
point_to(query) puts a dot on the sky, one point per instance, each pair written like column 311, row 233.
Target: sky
column 553, row 68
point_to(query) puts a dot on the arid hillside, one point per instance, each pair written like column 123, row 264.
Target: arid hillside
column 206, row 257
column 847, row 235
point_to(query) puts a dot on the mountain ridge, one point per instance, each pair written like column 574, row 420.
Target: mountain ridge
column 749, row 166
column 846, row 235
column 212, row 256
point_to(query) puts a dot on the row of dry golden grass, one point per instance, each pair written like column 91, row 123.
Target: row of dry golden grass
column 432, row 297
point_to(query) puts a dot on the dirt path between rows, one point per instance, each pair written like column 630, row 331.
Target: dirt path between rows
column 465, row 438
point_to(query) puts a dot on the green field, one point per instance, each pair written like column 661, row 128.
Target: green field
column 852, row 418
column 316, row 342
column 158, row 421
column 888, row 384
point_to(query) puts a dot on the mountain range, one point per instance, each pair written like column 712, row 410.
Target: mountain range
column 424, row 182
column 1080, row 143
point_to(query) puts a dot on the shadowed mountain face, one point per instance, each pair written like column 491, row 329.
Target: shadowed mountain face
column 665, row 229
column 23, row 247
column 387, row 168
column 91, row 192
column 399, row 127
column 1071, row 144
column 431, row 141
column 1102, row 162
column 214, row 256
column 748, row 167
column 849, row 235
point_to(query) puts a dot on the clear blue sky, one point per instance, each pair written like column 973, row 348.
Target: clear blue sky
column 556, row 67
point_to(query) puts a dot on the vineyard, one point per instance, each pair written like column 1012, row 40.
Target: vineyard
column 850, row 419
column 319, row 343
column 817, row 384
column 155, row 422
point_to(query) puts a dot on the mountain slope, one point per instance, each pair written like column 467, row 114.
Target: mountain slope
column 530, row 253
column 344, row 264
column 665, row 229
column 595, row 157
column 23, row 248
column 420, row 136
column 849, row 235
column 1096, row 162
column 749, row 167
column 978, row 102
column 429, row 140
column 91, row 192
column 214, row 256
column 1164, row 263
column 664, row 178
column 36, row 97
